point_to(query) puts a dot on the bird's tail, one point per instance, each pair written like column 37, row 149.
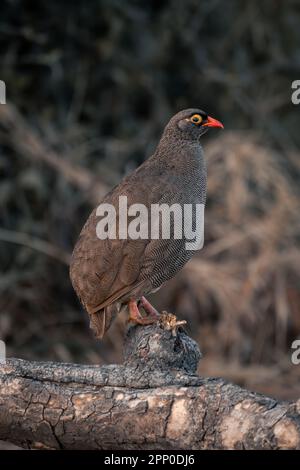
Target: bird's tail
column 100, row 321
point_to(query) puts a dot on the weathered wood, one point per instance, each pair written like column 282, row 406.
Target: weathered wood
column 153, row 401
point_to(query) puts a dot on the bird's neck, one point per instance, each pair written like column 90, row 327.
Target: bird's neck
column 175, row 151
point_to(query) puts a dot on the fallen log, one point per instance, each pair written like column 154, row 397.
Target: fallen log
column 154, row 400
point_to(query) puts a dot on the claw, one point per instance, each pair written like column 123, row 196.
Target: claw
column 136, row 317
column 149, row 308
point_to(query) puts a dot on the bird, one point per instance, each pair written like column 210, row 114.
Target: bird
column 113, row 274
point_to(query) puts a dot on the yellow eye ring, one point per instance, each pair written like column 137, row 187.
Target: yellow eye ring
column 196, row 119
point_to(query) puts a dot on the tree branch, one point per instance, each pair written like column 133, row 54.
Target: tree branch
column 153, row 401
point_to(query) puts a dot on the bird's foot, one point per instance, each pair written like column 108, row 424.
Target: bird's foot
column 168, row 321
column 136, row 317
column 149, row 309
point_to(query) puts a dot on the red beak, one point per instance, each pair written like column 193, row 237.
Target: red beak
column 211, row 122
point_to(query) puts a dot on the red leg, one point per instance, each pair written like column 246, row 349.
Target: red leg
column 136, row 317
column 152, row 312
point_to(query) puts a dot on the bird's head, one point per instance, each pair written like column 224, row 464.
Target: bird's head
column 192, row 123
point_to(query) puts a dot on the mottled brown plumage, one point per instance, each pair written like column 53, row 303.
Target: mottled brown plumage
column 109, row 274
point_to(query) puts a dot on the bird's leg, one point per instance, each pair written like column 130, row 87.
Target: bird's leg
column 149, row 309
column 136, row 317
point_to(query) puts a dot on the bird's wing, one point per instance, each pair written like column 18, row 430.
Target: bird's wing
column 103, row 271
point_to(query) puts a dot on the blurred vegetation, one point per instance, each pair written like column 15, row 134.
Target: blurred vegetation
column 90, row 86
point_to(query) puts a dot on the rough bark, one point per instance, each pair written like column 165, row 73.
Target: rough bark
column 154, row 400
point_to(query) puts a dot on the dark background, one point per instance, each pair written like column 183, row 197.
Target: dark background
column 90, row 86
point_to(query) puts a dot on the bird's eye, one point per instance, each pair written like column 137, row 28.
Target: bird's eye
column 196, row 119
